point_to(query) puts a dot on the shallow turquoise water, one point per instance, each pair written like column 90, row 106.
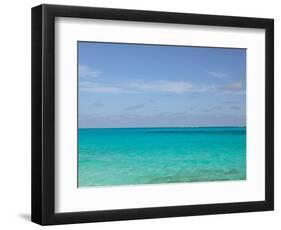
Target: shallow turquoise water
column 127, row 156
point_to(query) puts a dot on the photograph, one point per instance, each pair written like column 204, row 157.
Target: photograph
column 157, row 114
column 140, row 114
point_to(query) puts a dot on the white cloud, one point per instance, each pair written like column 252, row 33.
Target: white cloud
column 176, row 87
column 86, row 71
column 99, row 88
column 233, row 87
column 140, row 87
column 219, row 75
column 163, row 86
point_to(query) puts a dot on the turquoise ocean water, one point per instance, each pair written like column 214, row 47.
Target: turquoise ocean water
column 131, row 156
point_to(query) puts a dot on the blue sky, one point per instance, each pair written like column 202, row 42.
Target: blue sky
column 128, row 85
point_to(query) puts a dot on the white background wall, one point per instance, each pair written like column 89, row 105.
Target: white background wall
column 15, row 114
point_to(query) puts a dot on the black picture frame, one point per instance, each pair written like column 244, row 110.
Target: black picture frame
column 43, row 114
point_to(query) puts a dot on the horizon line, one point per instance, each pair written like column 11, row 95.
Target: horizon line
column 238, row 126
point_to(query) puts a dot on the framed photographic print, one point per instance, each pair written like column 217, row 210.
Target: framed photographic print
column 142, row 114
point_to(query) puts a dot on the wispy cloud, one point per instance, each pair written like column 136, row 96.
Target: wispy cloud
column 176, row 87
column 134, row 107
column 160, row 86
column 219, row 75
column 233, row 86
column 163, row 86
column 101, row 88
column 86, row 71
